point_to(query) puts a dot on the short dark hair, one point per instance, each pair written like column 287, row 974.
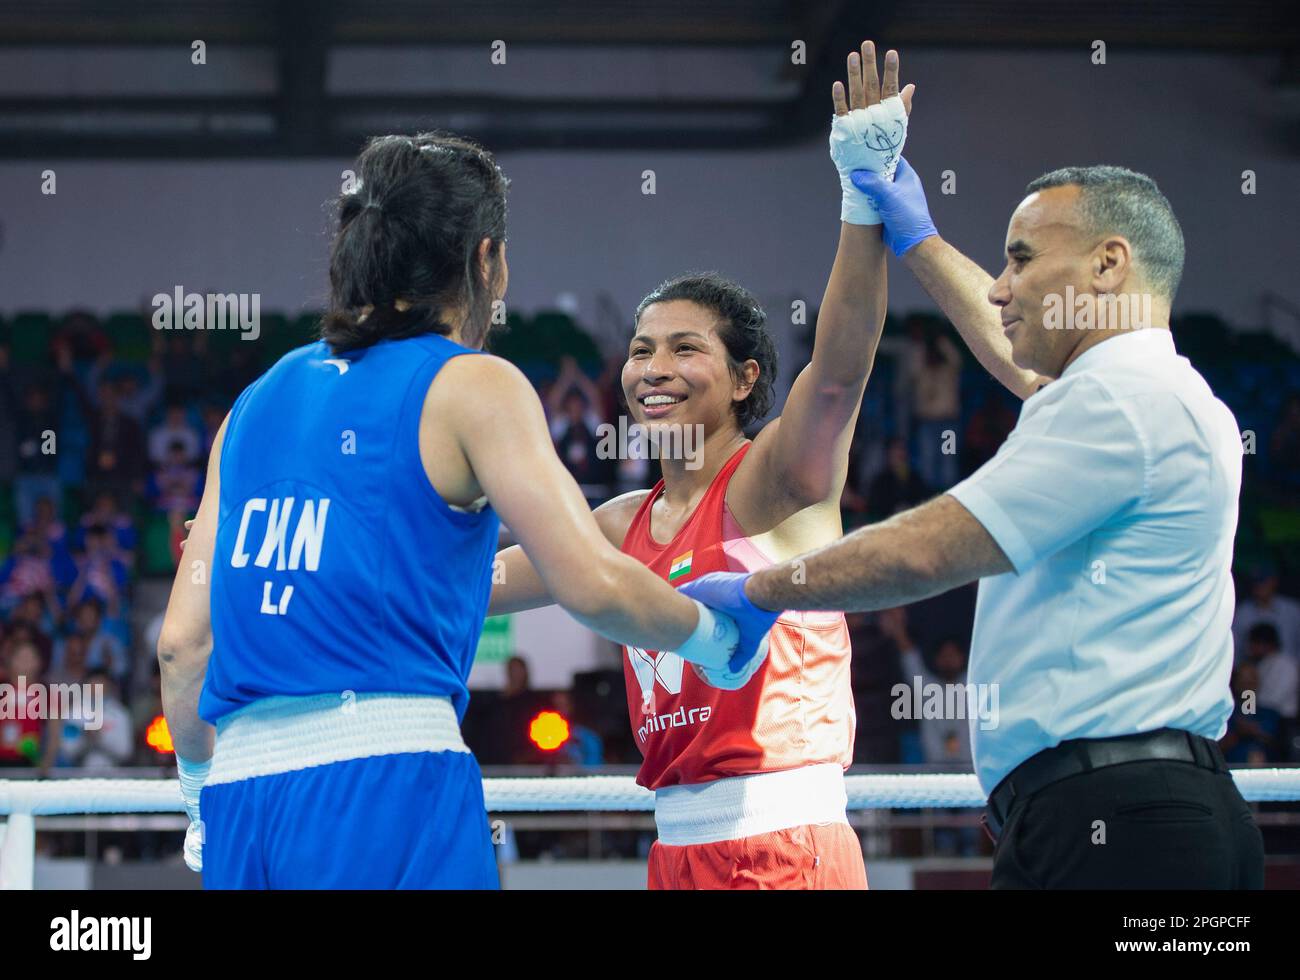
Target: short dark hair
column 1125, row 202
column 410, row 230
column 1265, row 633
column 742, row 325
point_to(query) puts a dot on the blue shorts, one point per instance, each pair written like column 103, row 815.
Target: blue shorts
column 406, row 820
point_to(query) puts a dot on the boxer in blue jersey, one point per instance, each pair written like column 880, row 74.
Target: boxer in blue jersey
column 324, row 618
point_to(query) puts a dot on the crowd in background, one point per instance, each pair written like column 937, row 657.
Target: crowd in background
column 104, row 445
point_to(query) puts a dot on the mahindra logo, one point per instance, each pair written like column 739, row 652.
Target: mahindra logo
column 649, row 666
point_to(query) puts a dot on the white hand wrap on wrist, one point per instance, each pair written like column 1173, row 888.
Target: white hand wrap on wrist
column 192, row 777
column 867, row 139
column 714, row 639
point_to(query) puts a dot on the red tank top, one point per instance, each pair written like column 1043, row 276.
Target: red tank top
column 796, row 711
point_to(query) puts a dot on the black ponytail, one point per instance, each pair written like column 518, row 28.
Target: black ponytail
column 410, row 232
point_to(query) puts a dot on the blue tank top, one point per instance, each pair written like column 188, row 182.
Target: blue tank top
column 338, row 568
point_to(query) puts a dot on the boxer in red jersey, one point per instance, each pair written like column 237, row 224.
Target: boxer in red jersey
column 749, row 784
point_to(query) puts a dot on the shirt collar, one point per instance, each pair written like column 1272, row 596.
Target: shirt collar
column 1152, row 341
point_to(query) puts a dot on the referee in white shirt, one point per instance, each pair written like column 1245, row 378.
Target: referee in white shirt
column 1102, row 532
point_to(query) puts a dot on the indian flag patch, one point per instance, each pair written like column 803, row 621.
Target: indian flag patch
column 681, row 566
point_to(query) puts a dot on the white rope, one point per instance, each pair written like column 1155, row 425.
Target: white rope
column 908, row 791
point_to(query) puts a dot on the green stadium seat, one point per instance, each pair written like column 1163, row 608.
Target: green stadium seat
column 558, row 336
column 73, row 507
column 1280, row 526
column 276, row 338
column 513, row 341
column 131, row 335
column 29, row 338
column 156, row 550
column 306, row 328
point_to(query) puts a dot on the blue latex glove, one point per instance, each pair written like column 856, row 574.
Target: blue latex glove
column 725, row 591
column 901, row 204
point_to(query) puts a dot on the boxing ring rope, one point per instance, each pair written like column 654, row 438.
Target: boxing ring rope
column 21, row 800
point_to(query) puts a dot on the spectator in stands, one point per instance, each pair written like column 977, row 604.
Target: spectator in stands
column 175, row 427
column 101, row 576
column 986, row 431
column 20, row 633
column 30, row 569
column 933, row 371
column 104, row 650
column 853, row 505
column 177, row 484
column 1265, row 605
column 41, row 611
column 80, row 334
column 45, row 523
column 104, row 512
column 239, row 368
column 184, row 365
column 1279, row 676
column 572, row 405
column 516, row 707
column 517, row 679
column 867, row 457
column 20, row 737
column 633, row 471
column 584, row 747
column 132, row 398
column 116, row 459
column 93, row 743
column 46, row 533
column 69, row 664
column 896, row 487
column 878, row 640
column 1285, row 444
column 944, row 740
column 213, row 415
column 1252, row 735
column 36, row 468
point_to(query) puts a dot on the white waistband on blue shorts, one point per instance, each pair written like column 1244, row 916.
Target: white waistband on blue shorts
column 742, row 806
column 284, row 734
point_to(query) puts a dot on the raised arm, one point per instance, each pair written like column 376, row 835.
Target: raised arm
column 804, row 458
column 495, row 419
column 954, row 282
column 961, row 288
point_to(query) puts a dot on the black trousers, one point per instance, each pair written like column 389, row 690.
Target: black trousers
column 1155, row 824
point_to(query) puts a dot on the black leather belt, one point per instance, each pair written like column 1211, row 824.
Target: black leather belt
column 1079, row 755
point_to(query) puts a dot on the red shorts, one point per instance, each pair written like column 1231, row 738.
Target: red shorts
column 813, row 856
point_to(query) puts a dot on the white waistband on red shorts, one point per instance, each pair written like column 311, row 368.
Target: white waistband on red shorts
column 742, row 806
column 284, row 734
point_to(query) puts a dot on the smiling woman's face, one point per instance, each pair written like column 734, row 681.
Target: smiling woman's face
column 678, row 371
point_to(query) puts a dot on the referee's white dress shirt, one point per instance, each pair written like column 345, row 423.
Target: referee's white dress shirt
column 1115, row 499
